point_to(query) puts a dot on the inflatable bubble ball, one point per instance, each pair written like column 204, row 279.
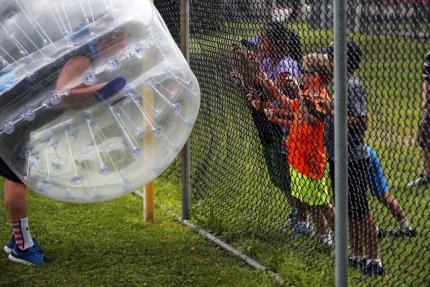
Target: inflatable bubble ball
column 96, row 100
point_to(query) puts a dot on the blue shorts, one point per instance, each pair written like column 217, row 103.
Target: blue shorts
column 378, row 182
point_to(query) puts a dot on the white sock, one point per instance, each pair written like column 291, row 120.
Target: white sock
column 327, row 238
column 22, row 234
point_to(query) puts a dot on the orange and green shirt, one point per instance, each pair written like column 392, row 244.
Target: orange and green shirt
column 306, row 150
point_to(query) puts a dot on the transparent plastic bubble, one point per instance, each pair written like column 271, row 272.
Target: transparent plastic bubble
column 8, row 127
column 139, row 51
column 89, row 78
column 76, row 180
column 58, row 163
column 32, row 160
column 156, row 131
column 95, row 93
column 113, row 64
column 135, row 151
column 28, row 114
column 54, row 98
column 139, row 132
column 175, row 148
column 176, row 108
column 105, row 170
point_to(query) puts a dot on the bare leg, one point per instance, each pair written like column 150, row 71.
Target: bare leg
column 354, row 236
column 370, row 237
column 302, row 209
column 15, row 199
column 329, row 214
column 292, row 201
column 319, row 219
column 390, row 202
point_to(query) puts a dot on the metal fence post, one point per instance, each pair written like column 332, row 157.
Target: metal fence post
column 185, row 45
column 341, row 142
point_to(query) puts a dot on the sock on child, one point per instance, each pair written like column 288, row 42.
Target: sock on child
column 21, row 232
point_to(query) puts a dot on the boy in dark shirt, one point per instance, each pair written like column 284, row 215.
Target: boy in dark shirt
column 424, row 131
column 362, row 228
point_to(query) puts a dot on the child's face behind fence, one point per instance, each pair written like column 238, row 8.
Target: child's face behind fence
column 267, row 46
column 317, row 65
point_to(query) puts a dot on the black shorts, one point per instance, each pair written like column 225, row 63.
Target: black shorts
column 7, row 173
column 358, row 183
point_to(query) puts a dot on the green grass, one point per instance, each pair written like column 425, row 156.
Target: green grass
column 108, row 244
column 234, row 198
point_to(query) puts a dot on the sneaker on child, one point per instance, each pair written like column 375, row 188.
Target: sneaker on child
column 33, row 255
column 374, row 267
column 327, row 239
column 357, row 261
column 303, row 228
column 422, row 180
column 10, row 245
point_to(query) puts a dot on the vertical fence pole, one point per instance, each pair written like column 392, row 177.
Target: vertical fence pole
column 184, row 6
column 341, row 155
column 148, row 191
column 149, row 200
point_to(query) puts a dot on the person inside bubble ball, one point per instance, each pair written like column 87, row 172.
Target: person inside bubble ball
column 22, row 247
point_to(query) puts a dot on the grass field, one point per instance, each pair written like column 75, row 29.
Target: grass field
column 108, row 244
column 233, row 196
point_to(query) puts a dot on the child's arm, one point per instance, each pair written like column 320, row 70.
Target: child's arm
column 241, row 75
column 288, row 85
column 255, row 101
column 279, row 116
column 86, row 90
column 274, row 91
column 70, row 81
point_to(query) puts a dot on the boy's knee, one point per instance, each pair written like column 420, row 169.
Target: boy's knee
column 14, row 187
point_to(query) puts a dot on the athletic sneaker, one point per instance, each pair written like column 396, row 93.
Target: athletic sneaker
column 422, row 180
column 10, row 245
column 327, row 239
column 374, row 268
column 407, row 232
column 30, row 256
column 357, row 261
column 303, row 228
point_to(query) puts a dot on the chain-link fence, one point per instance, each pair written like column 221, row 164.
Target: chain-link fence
column 262, row 148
